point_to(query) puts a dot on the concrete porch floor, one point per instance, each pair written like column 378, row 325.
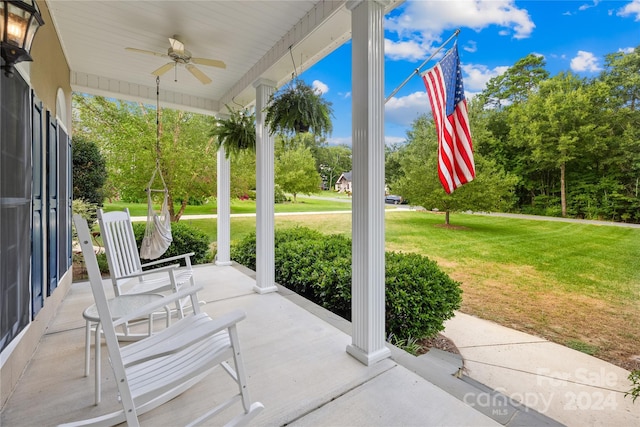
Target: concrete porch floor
column 296, row 362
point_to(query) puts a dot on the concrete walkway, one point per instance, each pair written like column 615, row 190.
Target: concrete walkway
column 566, row 385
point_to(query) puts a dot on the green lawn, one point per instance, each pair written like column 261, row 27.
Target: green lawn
column 575, row 284
column 303, row 204
column 570, row 283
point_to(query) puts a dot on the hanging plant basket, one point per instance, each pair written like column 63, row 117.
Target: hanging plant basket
column 298, row 108
column 237, row 133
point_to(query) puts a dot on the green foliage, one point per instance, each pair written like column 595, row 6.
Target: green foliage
column 583, row 347
column 128, row 137
column 572, row 143
column 298, row 108
column 634, row 377
column 85, row 209
column 331, row 162
column 235, row 133
column 89, row 171
column 185, row 239
column 492, row 189
column 295, row 172
column 410, row 345
column 419, row 296
column 279, row 195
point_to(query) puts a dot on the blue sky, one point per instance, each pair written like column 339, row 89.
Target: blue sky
column 494, row 34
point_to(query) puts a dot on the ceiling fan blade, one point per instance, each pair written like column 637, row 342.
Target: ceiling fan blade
column 166, row 67
column 198, row 74
column 209, row 62
column 176, row 44
column 146, row 52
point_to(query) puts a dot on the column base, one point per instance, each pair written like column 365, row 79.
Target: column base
column 267, row 290
column 224, row 263
column 368, row 358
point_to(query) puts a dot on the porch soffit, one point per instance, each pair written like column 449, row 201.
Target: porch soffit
column 251, row 37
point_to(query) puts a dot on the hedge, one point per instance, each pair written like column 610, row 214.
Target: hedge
column 185, row 239
column 419, row 295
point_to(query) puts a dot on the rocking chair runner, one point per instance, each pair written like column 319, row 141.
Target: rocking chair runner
column 156, row 369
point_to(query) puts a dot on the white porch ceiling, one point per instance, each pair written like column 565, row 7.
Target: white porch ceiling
column 252, row 37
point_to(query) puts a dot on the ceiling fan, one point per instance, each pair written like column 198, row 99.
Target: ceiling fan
column 179, row 55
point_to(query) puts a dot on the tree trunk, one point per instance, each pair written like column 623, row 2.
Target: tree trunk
column 563, row 190
column 295, row 200
column 446, row 217
column 172, row 213
column 183, row 206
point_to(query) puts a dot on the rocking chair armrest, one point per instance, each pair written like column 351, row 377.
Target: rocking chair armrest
column 168, row 268
column 173, row 258
column 154, row 305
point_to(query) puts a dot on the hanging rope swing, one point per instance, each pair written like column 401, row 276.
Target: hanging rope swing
column 157, row 233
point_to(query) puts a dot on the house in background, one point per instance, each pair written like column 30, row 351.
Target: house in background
column 343, row 184
column 82, row 47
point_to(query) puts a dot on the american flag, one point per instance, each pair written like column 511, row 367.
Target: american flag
column 449, row 108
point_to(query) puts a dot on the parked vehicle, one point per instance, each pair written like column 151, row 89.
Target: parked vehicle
column 393, row 199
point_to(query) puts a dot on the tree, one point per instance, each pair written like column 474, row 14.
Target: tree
column 89, row 171
column 622, row 74
column 392, row 167
column 298, row 108
column 491, row 190
column 295, row 172
column 126, row 134
column 559, row 125
column 517, row 83
column 331, row 162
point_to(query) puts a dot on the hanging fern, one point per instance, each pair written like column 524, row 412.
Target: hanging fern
column 236, row 133
column 298, row 108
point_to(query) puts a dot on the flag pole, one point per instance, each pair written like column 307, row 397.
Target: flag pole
column 417, row 70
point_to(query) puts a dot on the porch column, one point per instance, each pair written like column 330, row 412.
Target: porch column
column 223, row 256
column 265, row 213
column 368, row 263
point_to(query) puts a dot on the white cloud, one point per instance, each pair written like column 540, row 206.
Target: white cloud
column 404, row 110
column 631, row 9
column 471, row 46
column 589, row 6
column 410, row 50
column 320, row 87
column 477, row 76
column 345, row 95
column 585, row 61
column 626, row 50
column 345, row 140
column 391, row 140
column 422, row 23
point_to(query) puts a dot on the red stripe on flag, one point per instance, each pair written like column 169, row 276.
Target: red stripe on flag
column 455, row 149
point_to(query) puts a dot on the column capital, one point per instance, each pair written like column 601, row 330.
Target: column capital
column 352, row 4
column 264, row 82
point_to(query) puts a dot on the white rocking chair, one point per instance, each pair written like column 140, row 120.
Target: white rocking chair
column 124, row 262
column 156, row 369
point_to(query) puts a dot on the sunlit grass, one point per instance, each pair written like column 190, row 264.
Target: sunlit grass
column 304, row 204
column 568, row 282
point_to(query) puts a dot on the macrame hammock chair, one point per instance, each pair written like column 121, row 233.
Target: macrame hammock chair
column 157, row 233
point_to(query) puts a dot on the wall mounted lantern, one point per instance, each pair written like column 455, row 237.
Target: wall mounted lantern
column 19, row 21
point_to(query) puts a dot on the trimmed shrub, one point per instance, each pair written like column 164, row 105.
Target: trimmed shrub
column 185, row 239
column 419, row 296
